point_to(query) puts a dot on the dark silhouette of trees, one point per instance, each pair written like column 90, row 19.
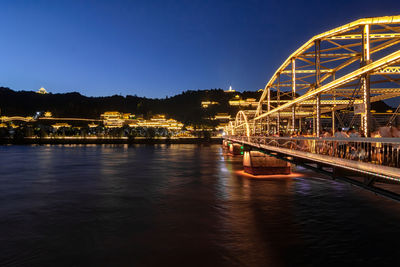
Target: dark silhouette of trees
column 184, row 107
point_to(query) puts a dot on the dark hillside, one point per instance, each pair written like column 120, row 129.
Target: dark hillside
column 185, row 107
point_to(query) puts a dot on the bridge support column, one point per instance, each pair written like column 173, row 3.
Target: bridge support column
column 333, row 109
column 317, row 81
column 278, row 97
column 313, row 124
column 366, row 116
column 268, row 109
column 293, row 126
column 318, row 114
column 278, row 123
column 365, row 83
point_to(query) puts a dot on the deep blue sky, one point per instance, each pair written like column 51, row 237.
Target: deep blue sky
column 158, row 48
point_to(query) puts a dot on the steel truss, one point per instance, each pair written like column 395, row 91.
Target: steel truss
column 354, row 64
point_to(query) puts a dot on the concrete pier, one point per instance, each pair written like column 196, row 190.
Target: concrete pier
column 225, row 144
column 235, row 149
column 257, row 163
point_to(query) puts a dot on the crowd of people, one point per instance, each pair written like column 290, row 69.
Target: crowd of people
column 382, row 153
column 385, row 131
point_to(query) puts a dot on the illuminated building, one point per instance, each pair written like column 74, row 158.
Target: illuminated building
column 221, row 126
column 230, row 90
column 92, row 125
column 206, row 104
column 115, row 119
column 249, row 102
column 222, row 117
column 158, row 121
column 174, row 125
column 128, row 116
column 16, row 118
column 158, row 117
column 112, row 119
column 59, row 125
column 110, row 115
column 113, row 123
column 48, row 114
column 42, row 91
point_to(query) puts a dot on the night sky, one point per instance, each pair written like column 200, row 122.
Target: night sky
column 159, row 48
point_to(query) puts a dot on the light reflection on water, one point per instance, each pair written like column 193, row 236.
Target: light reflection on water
column 180, row 205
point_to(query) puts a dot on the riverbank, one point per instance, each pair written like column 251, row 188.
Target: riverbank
column 110, row 140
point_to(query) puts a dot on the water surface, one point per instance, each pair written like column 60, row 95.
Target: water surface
column 152, row 205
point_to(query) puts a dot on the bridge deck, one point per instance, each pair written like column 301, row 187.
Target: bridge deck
column 377, row 157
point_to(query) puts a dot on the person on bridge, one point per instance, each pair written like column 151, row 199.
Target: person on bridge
column 303, row 144
column 325, row 148
column 353, row 133
column 395, row 131
column 341, row 145
column 354, row 153
column 326, row 133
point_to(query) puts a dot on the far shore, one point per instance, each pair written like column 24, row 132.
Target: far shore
column 109, row 140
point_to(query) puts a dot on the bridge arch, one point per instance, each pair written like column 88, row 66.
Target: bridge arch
column 242, row 122
column 231, row 128
column 336, row 70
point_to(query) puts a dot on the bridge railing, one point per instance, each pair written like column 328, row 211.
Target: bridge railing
column 379, row 151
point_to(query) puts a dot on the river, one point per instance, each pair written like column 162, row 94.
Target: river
column 181, row 205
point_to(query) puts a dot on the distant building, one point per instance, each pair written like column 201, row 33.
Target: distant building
column 128, row 116
column 222, row 116
column 112, row 119
column 14, row 126
column 230, row 90
column 115, row 119
column 221, row 126
column 237, row 101
column 174, row 125
column 42, row 91
column 158, row 117
column 110, row 115
column 48, row 114
column 159, row 121
column 206, row 104
column 92, row 125
column 59, row 125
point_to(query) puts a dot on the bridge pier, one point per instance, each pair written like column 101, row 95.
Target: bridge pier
column 225, row 144
column 235, row 149
column 257, row 163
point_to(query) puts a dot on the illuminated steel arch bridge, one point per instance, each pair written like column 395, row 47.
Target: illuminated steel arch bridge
column 335, row 75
